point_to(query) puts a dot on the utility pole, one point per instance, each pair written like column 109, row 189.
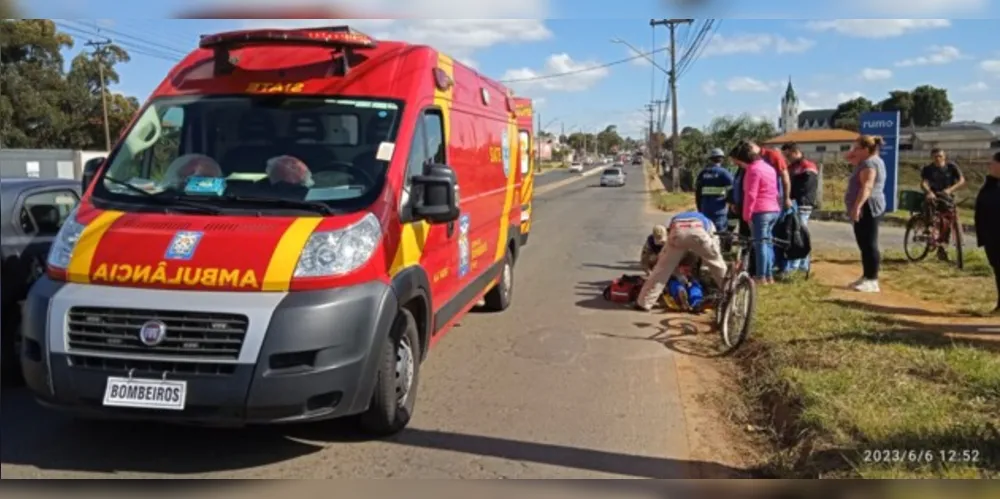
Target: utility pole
column 99, row 46
column 672, row 25
column 649, row 138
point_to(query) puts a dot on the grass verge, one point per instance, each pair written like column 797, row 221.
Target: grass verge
column 663, row 200
column 971, row 289
column 844, row 386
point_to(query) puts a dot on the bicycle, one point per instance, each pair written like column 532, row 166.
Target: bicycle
column 926, row 223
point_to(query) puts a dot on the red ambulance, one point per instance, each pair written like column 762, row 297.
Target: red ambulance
column 282, row 233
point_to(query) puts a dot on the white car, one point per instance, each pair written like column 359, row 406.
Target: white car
column 613, row 177
column 576, row 167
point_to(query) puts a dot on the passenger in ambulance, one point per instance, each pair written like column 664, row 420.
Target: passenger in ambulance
column 289, row 177
column 187, row 166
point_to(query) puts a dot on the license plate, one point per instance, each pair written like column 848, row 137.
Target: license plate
column 145, row 393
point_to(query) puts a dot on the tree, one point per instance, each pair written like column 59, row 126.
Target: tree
column 848, row 114
column 996, row 121
column 608, row 140
column 931, row 106
column 723, row 132
column 43, row 106
column 902, row 101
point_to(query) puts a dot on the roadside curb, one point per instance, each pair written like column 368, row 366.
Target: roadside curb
column 839, row 216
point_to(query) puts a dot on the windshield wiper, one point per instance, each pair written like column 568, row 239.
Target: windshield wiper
column 314, row 206
column 165, row 200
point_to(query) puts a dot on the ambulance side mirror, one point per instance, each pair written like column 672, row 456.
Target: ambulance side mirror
column 90, row 171
column 436, row 198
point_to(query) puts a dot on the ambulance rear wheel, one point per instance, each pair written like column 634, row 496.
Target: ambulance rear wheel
column 499, row 298
column 398, row 375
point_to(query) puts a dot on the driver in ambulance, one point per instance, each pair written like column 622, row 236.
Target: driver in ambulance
column 288, row 170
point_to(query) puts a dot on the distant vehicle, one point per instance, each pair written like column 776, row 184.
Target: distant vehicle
column 576, row 167
column 32, row 210
column 613, row 177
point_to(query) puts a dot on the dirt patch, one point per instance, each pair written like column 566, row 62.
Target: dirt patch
column 913, row 314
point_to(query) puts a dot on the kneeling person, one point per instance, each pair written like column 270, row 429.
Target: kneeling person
column 688, row 232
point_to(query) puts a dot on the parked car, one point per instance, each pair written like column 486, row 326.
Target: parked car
column 576, row 167
column 614, row 177
column 32, row 210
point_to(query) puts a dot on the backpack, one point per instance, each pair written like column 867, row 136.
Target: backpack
column 790, row 229
column 625, row 289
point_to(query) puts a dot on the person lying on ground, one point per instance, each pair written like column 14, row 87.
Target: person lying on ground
column 689, row 232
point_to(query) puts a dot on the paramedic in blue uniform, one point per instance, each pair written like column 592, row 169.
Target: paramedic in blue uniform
column 711, row 189
column 688, row 233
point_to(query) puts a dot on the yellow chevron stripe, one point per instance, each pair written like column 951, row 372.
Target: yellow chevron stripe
column 510, row 191
column 78, row 269
column 285, row 258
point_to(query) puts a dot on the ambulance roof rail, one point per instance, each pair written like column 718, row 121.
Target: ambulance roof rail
column 343, row 38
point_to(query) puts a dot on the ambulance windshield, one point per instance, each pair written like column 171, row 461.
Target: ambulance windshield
column 235, row 150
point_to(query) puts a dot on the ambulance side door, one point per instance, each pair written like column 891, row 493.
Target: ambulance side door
column 440, row 257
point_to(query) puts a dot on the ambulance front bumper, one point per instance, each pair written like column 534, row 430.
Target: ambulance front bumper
column 302, row 355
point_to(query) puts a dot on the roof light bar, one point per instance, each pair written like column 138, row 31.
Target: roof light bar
column 334, row 36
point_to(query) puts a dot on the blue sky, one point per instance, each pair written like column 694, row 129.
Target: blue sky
column 744, row 67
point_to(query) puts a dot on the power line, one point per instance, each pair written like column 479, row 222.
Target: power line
column 132, row 48
column 587, row 69
column 706, row 40
column 137, row 40
column 672, row 24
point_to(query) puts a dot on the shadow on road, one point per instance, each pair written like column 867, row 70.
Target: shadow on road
column 558, row 455
column 624, row 266
column 686, row 336
column 34, row 436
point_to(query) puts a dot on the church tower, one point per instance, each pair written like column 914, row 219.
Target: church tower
column 789, row 121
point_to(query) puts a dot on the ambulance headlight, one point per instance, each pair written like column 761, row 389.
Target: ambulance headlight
column 341, row 251
column 65, row 241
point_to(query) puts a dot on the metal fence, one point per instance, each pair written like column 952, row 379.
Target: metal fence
column 959, row 155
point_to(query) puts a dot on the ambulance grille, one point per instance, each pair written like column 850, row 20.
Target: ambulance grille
column 202, row 335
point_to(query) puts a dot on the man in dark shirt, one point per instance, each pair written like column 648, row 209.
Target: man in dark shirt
column 940, row 180
column 711, row 189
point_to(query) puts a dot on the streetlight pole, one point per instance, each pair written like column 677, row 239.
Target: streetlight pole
column 672, row 25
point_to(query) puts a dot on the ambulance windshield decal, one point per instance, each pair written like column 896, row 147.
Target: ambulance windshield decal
column 256, row 150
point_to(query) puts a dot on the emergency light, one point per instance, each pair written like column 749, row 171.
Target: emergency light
column 334, row 37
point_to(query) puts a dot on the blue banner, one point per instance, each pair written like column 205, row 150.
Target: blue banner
column 886, row 125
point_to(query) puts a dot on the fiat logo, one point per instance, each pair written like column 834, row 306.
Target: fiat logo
column 153, row 333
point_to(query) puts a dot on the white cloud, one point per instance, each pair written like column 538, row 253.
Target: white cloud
column 819, row 100
column 877, row 28
column 992, row 66
column 710, row 87
column 748, row 84
column 979, row 86
column 459, row 38
column 578, row 80
column 922, row 7
column 872, row 74
column 755, row 44
column 796, row 46
column 981, row 110
column 538, row 102
column 936, row 55
column 412, row 9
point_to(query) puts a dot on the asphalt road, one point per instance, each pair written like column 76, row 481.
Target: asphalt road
column 552, row 388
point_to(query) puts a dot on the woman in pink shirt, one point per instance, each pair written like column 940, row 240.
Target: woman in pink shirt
column 760, row 206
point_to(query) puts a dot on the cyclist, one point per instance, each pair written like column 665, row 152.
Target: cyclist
column 687, row 232
column 940, row 180
column 711, row 188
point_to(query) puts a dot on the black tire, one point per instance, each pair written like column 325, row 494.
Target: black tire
column 744, row 283
column 390, row 411
column 916, row 252
column 499, row 298
column 959, row 255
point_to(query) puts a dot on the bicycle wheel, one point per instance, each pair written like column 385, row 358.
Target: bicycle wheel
column 956, row 229
column 917, row 239
column 737, row 315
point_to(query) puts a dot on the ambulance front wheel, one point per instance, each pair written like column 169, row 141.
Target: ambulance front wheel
column 499, row 298
column 397, row 379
